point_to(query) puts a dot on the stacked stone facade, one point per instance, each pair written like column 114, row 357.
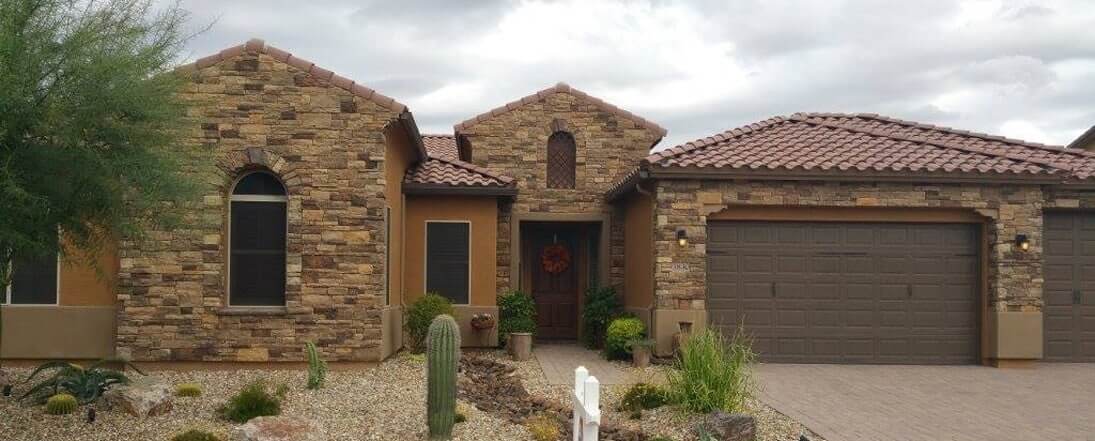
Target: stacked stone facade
column 252, row 112
column 1014, row 277
column 514, row 143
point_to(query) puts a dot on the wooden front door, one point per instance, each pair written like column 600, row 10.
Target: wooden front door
column 555, row 289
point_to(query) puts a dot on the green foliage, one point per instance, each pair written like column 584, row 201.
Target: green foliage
column 516, row 313
column 188, row 390
column 254, row 400
column 86, row 384
column 317, row 368
column 61, row 404
column 543, row 427
column 601, row 305
column 621, row 332
column 195, row 435
column 712, row 372
column 643, row 396
column 419, row 316
column 442, row 358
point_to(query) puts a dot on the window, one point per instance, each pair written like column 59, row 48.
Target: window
column 256, row 266
column 34, row 282
column 560, row 160
column 447, row 259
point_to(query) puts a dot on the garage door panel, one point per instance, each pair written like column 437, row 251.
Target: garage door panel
column 842, row 291
column 1069, row 327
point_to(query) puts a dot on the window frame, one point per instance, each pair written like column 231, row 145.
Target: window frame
column 426, row 255
column 56, row 295
column 232, row 197
column 548, row 165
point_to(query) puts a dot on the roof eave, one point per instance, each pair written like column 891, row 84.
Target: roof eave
column 849, row 176
column 411, row 188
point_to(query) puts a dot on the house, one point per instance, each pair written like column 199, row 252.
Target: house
column 831, row 238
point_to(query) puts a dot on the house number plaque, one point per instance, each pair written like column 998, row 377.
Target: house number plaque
column 679, row 267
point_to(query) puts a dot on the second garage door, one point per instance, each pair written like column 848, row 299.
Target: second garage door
column 817, row 292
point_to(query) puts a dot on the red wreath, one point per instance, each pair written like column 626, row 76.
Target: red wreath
column 555, row 259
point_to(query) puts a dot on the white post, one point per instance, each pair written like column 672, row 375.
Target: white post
column 592, row 404
column 580, row 376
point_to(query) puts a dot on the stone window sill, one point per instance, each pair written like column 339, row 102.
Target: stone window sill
column 254, row 310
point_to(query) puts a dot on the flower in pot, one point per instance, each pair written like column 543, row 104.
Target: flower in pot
column 482, row 322
column 640, row 352
column 517, row 323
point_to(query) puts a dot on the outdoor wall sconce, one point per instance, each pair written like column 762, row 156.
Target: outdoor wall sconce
column 682, row 238
column 1022, row 242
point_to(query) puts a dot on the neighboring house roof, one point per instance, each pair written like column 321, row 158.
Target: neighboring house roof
column 441, row 146
column 561, row 88
column 1085, row 141
column 444, row 173
column 860, row 146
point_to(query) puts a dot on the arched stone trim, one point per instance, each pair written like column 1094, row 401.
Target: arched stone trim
column 236, row 163
column 558, row 125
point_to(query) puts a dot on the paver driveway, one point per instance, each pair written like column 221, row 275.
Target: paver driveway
column 935, row 403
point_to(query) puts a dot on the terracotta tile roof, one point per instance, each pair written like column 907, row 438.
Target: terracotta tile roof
column 258, row 46
column 561, row 88
column 454, row 173
column 441, row 146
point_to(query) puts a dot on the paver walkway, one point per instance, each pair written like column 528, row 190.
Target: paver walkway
column 559, row 361
column 935, row 403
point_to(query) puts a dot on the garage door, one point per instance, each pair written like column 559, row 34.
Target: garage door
column 1069, row 313
column 814, row 292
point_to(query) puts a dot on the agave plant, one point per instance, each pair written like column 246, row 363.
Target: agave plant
column 86, row 384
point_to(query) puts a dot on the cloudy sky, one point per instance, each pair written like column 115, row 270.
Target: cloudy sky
column 1017, row 68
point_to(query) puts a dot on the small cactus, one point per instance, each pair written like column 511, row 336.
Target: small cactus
column 61, row 404
column 442, row 356
column 188, row 390
column 317, row 368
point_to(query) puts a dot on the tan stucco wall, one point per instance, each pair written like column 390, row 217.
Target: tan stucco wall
column 398, row 156
column 86, row 284
column 391, row 319
column 638, row 251
column 482, row 212
column 58, row 332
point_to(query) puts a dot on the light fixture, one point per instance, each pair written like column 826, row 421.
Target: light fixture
column 1022, row 242
column 682, row 238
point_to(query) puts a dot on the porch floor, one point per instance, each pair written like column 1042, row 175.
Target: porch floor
column 558, row 361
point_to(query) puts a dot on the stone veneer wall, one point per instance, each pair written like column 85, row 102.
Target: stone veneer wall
column 253, row 112
column 1015, row 278
column 514, row 143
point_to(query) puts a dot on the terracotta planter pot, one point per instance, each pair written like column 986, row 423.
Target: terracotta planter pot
column 482, row 322
column 640, row 356
column 520, row 345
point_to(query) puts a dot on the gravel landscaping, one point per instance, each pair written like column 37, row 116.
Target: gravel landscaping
column 382, row 403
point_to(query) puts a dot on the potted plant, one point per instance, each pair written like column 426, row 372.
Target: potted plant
column 482, row 322
column 640, row 352
column 517, row 323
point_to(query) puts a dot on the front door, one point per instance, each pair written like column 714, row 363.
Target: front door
column 552, row 258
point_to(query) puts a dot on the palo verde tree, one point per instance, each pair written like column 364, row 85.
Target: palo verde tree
column 90, row 125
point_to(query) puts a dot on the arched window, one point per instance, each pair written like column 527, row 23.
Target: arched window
column 560, row 160
column 256, row 267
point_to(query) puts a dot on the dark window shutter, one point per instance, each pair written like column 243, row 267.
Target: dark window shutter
column 561, row 152
column 258, row 254
column 447, row 260
column 34, row 281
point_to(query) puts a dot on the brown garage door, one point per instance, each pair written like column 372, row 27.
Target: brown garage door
column 1069, row 313
column 814, row 292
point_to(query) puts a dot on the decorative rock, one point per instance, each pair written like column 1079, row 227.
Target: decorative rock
column 278, row 428
column 731, row 426
column 142, row 397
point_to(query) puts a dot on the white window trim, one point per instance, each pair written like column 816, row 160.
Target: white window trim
column 56, row 295
column 426, row 254
column 228, row 236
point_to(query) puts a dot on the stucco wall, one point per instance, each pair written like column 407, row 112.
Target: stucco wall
column 327, row 146
column 638, row 251
column 482, row 212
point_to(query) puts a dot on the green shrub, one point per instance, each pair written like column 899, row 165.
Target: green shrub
column 516, row 313
column 643, row 396
column 86, row 384
column 196, row 435
column 621, row 332
column 419, row 316
column 601, row 305
column 61, row 404
column 317, row 368
column 712, row 372
column 188, row 390
column 253, row 401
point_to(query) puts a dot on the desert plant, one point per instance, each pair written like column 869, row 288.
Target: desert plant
column 712, row 372
column 61, row 404
column 420, row 315
column 543, row 427
column 317, row 368
column 86, row 384
column 462, row 411
column 442, row 357
column 516, row 313
column 601, row 305
column 643, row 396
column 188, row 390
column 621, row 332
column 195, row 435
column 254, row 400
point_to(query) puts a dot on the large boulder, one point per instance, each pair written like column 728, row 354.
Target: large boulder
column 278, row 428
column 730, row 426
column 142, row 397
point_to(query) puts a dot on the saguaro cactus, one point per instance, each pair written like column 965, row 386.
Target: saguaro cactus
column 317, row 368
column 442, row 355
